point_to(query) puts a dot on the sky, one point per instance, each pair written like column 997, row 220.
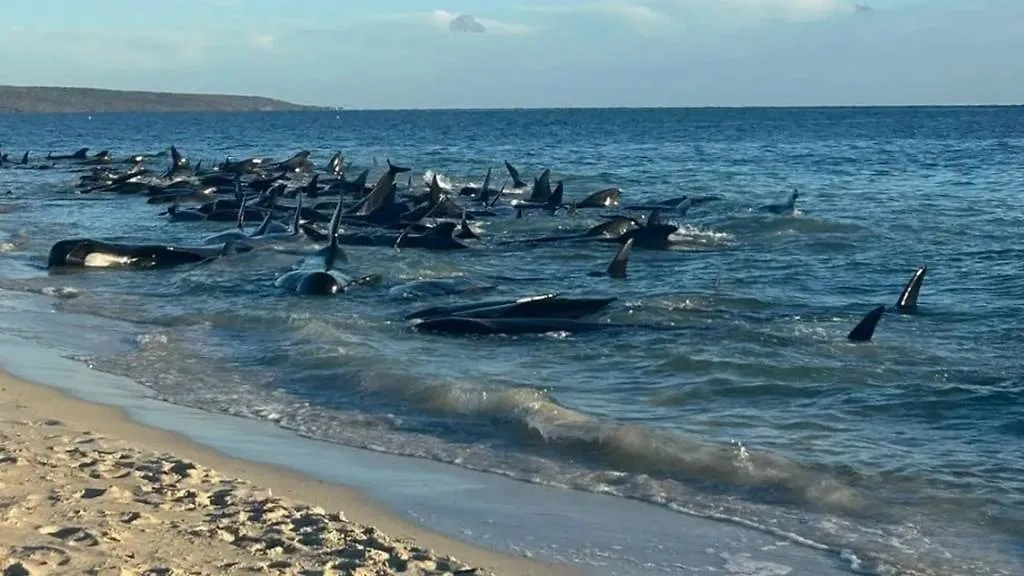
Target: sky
column 529, row 53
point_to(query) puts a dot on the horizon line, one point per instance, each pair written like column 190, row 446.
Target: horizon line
column 315, row 108
column 341, row 108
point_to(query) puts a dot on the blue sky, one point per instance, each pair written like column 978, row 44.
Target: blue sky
column 527, row 53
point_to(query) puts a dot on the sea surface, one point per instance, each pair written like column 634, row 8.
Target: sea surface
column 901, row 456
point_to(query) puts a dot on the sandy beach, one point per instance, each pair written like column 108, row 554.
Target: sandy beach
column 84, row 490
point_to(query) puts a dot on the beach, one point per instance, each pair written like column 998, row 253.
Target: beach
column 717, row 418
column 87, row 491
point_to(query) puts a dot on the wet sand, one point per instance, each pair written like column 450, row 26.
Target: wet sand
column 83, row 489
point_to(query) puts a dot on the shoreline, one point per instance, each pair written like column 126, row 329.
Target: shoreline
column 480, row 518
column 41, row 423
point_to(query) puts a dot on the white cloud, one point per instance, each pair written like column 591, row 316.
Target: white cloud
column 635, row 13
column 639, row 13
column 759, row 9
column 667, row 14
column 264, row 41
column 469, row 23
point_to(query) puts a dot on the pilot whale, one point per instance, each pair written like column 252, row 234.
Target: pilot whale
column 88, row 253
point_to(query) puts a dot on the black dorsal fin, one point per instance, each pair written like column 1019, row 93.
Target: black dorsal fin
column 333, row 249
column 271, row 202
column 617, row 269
column 555, row 200
column 311, row 187
column 241, row 213
column 864, row 330
column 487, row 184
column 297, row 221
column 516, row 182
column 498, row 195
column 907, row 303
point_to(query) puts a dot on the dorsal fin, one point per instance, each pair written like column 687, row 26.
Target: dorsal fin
column 555, row 200
column 80, row 154
column 176, row 157
column 498, row 195
column 271, row 202
column 24, row 159
column 465, row 231
column 241, row 213
column 332, row 229
column 487, row 184
column 541, row 187
column 863, row 331
column 298, row 214
column 617, row 269
column 436, row 191
column 907, row 303
column 311, row 187
column 516, row 182
column 331, row 255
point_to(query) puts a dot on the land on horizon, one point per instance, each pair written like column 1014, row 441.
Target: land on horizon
column 53, row 99
column 74, row 100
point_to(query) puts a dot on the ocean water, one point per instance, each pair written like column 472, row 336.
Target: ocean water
column 902, row 456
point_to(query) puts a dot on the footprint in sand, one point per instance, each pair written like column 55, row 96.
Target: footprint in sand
column 26, row 559
column 71, row 535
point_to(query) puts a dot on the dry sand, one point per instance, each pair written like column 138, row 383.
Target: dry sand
column 84, row 490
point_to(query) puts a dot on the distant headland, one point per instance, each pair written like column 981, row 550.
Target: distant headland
column 45, row 99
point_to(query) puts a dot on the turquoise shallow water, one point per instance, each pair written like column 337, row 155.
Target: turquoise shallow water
column 905, row 452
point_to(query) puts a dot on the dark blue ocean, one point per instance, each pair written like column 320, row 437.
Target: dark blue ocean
column 903, row 455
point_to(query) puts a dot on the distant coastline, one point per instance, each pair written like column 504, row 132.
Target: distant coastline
column 49, row 99
column 56, row 100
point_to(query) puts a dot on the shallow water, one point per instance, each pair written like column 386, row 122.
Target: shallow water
column 905, row 453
